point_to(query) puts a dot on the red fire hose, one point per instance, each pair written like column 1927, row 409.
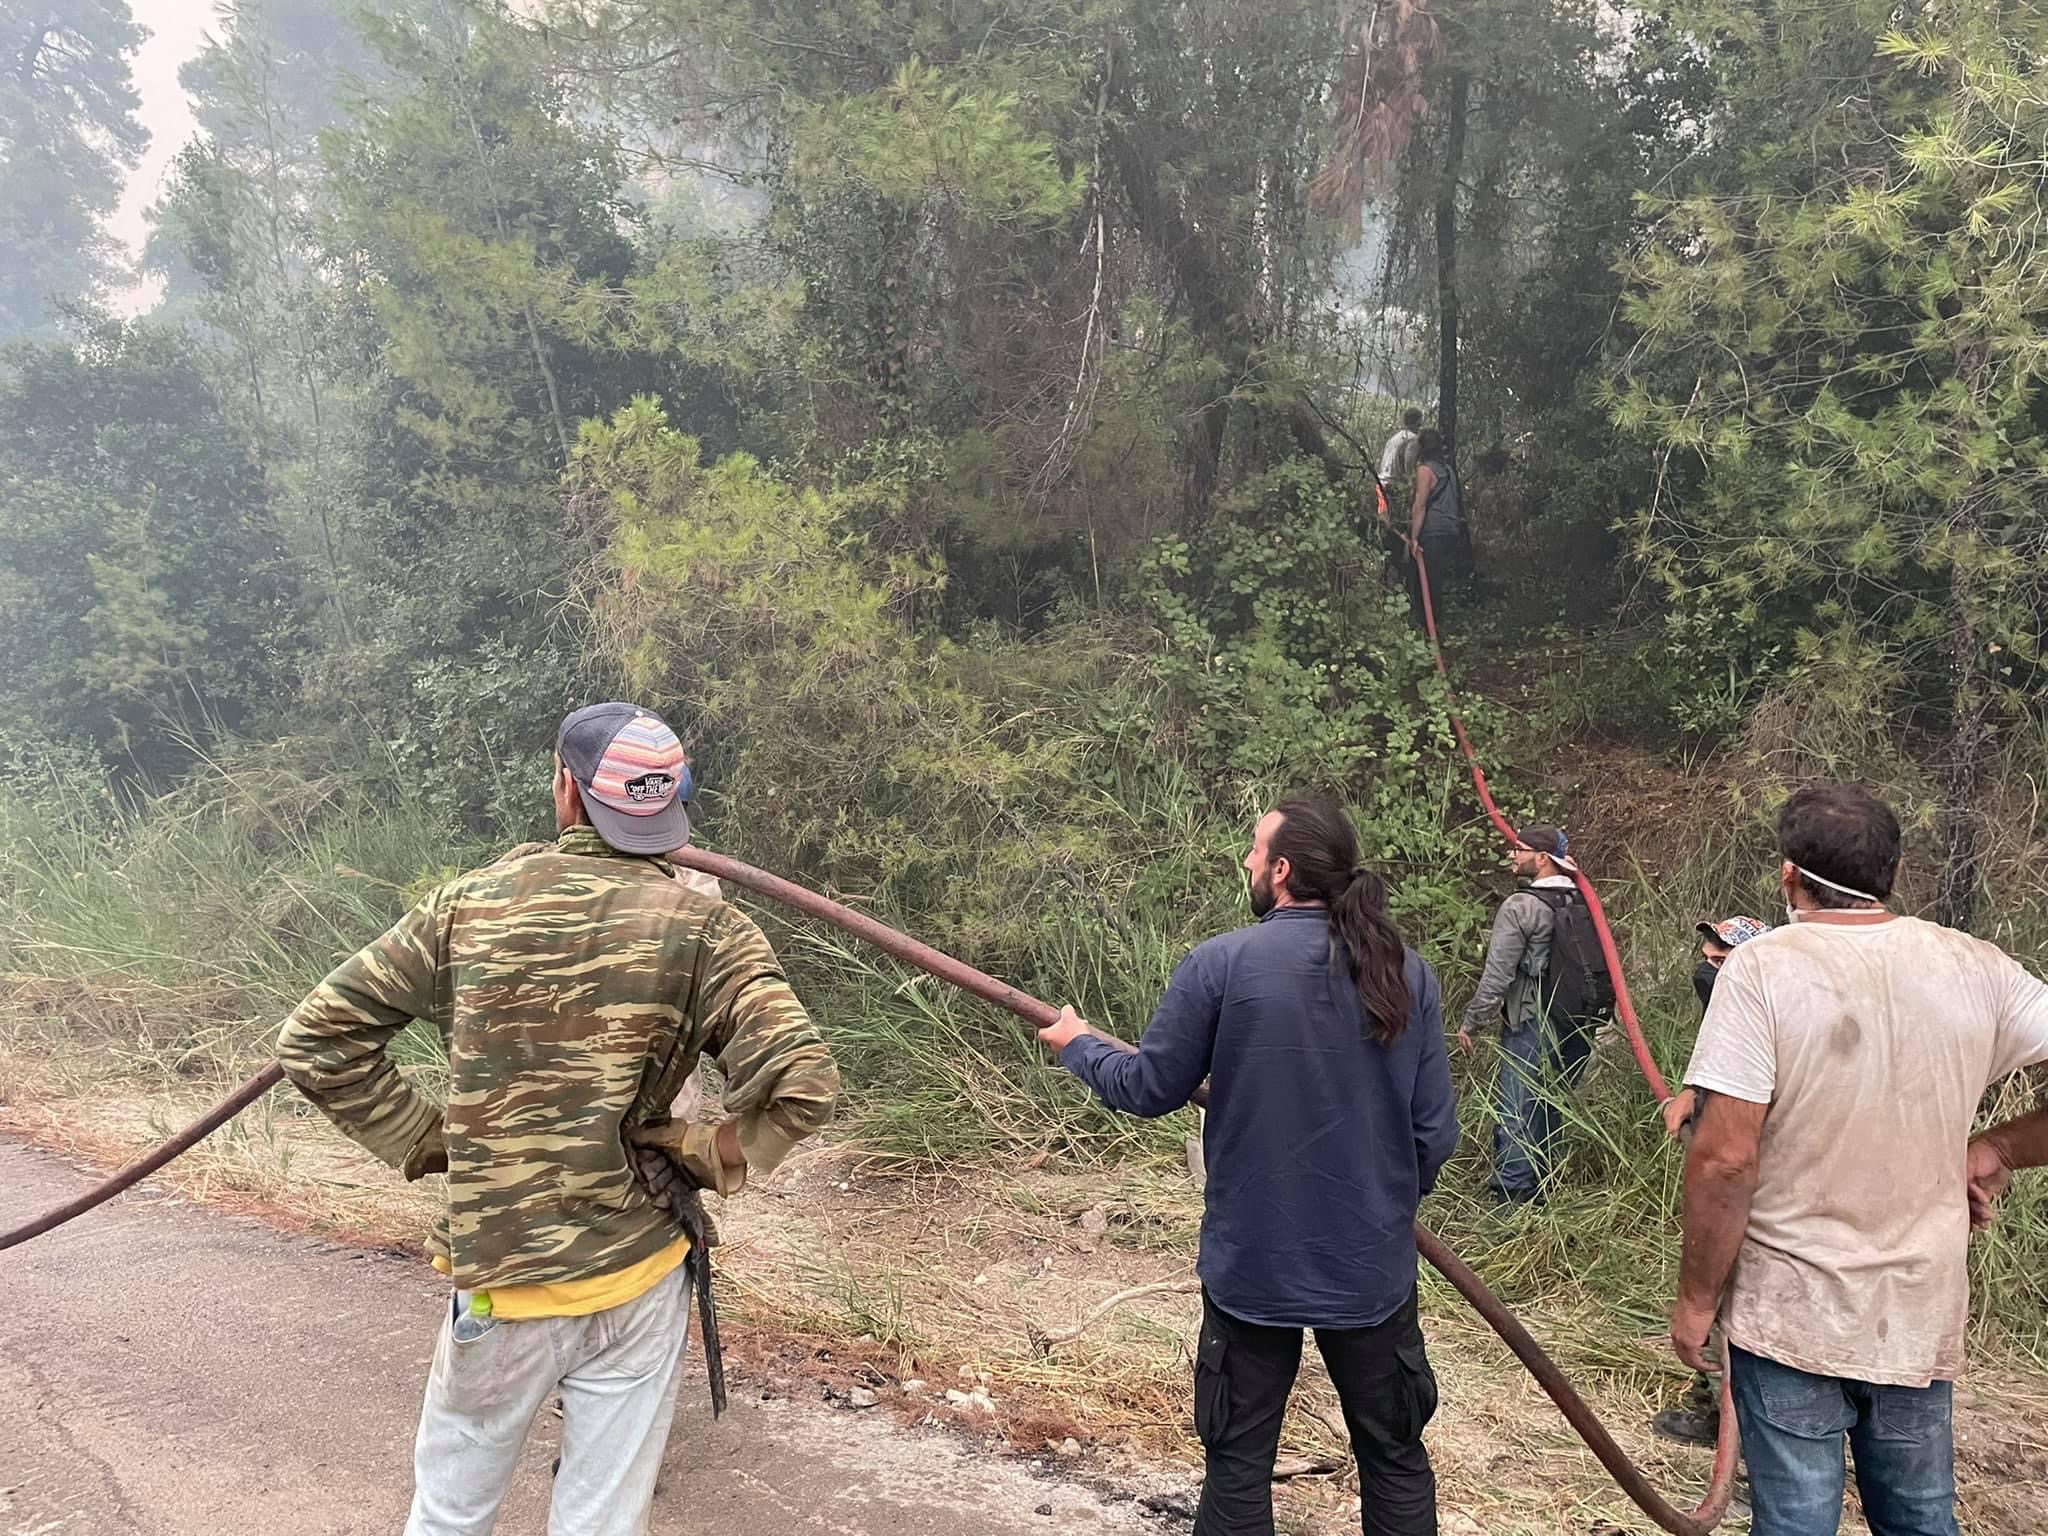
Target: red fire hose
column 1036, row 1013
column 1728, row 1448
column 1624, row 1008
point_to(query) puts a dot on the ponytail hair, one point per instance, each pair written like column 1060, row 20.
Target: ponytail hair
column 1378, row 957
column 1321, row 850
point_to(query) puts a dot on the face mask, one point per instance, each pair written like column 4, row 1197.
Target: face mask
column 1703, row 980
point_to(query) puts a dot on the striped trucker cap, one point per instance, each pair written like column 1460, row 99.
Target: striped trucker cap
column 633, row 775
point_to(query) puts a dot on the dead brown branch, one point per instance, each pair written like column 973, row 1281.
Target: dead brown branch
column 1043, row 1341
column 1379, row 101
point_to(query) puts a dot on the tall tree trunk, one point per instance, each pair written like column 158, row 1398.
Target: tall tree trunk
column 1447, row 257
column 1216, row 305
column 1206, row 466
column 1963, row 765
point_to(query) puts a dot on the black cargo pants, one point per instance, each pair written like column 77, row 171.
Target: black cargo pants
column 1243, row 1375
column 1444, row 559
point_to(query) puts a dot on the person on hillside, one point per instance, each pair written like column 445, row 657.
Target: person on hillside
column 1399, row 457
column 1436, row 524
column 1697, row 1421
column 1828, row 1190
column 1396, row 488
column 576, row 985
column 1544, row 1046
column 1330, row 1115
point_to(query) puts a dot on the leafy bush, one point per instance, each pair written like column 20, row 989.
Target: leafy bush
column 1294, row 665
column 147, row 599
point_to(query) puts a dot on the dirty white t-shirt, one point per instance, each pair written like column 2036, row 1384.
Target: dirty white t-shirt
column 1872, row 1044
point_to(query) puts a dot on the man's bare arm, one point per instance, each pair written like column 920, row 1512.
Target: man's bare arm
column 1999, row 1153
column 1720, row 1182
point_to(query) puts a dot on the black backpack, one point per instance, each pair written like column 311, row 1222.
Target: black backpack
column 1576, row 992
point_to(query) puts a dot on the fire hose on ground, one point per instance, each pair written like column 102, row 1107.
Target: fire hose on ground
column 1038, row 1014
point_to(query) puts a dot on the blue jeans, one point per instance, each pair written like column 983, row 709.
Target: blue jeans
column 1903, row 1439
column 1536, row 1070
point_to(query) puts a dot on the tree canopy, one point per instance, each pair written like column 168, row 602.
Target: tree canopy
column 1064, row 323
column 68, row 136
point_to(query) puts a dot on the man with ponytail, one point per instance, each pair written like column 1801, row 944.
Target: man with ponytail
column 1330, row 1114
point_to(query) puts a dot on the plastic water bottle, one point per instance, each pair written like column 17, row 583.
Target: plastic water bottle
column 473, row 1317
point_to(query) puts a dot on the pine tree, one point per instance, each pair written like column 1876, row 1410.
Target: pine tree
column 68, row 136
column 1840, row 348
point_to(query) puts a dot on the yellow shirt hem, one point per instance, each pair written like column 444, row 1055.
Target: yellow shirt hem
column 580, row 1298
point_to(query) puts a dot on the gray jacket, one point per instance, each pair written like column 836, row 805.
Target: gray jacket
column 1517, row 955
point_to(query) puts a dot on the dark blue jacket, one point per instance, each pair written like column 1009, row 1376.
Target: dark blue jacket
column 1320, row 1142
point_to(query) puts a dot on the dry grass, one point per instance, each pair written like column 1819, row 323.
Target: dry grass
column 853, row 1269
column 844, row 1270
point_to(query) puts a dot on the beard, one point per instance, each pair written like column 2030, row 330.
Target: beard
column 1262, row 894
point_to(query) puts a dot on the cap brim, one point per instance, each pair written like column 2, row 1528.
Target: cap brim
column 1710, row 931
column 663, row 832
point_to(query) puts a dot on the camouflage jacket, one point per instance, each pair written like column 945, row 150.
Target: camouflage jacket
column 575, row 989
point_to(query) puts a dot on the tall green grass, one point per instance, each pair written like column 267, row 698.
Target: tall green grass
column 175, row 935
column 179, row 931
column 1096, row 920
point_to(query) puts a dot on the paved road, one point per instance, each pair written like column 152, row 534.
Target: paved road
column 169, row 1371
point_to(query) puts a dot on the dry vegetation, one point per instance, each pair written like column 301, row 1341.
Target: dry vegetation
column 846, row 1271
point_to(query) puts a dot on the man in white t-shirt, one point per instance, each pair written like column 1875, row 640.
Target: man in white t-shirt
column 1397, row 458
column 1827, row 1189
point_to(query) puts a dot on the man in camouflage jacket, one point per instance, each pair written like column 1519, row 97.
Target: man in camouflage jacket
column 576, row 985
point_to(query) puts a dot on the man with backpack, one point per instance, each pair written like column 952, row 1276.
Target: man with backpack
column 1546, row 980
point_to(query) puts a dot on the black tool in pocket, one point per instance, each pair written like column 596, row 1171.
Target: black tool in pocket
column 670, row 1183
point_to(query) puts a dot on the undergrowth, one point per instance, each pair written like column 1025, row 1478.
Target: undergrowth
column 173, row 936
column 177, row 933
